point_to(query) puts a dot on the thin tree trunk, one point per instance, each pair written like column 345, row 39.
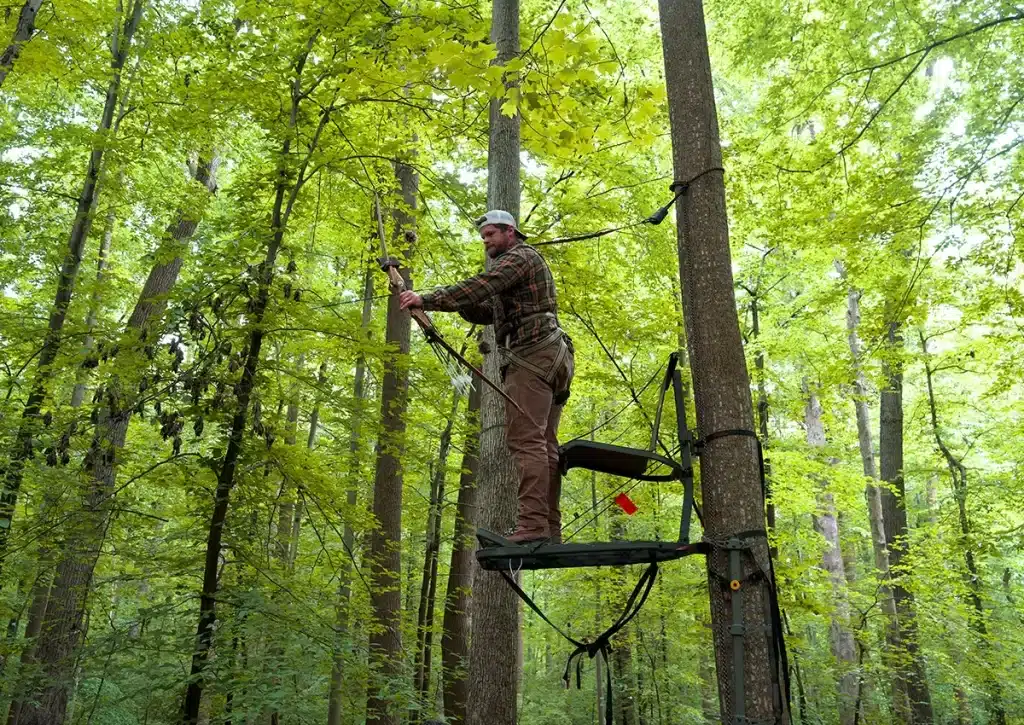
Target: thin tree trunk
column 428, row 585
column 455, row 625
column 36, row 614
column 121, row 40
column 336, row 689
column 281, row 211
column 958, row 478
column 762, row 397
column 801, row 694
column 599, row 663
column 625, row 695
column 705, row 667
column 226, row 476
column 78, row 394
column 625, row 699
column 730, row 469
column 873, row 495
column 495, row 643
column 963, row 707
column 286, row 544
column 844, row 649
column 22, row 34
column 386, row 654
column 910, row 670
column 63, row 629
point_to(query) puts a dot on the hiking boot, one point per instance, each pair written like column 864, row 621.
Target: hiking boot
column 523, row 536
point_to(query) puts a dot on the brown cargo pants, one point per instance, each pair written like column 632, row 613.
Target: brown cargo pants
column 538, row 379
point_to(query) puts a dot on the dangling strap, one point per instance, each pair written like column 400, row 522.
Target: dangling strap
column 602, row 644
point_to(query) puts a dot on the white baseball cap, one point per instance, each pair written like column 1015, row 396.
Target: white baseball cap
column 497, row 216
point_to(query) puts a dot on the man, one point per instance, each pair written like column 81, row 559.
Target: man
column 517, row 296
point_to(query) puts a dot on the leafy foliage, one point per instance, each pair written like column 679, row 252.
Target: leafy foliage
column 882, row 138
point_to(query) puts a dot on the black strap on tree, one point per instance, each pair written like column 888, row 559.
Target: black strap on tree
column 678, row 187
column 736, row 544
column 602, row 644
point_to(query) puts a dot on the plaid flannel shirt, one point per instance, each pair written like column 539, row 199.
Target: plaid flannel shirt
column 512, row 295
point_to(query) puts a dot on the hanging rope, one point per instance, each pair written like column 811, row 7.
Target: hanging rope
column 601, row 644
column 679, row 187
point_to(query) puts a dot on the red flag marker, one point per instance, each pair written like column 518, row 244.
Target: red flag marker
column 626, row 504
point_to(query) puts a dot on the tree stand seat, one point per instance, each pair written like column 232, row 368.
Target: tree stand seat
column 635, row 463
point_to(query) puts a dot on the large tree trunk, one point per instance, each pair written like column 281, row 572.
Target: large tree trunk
column 428, row 582
column 336, row 688
column 494, row 647
column 730, row 470
column 41, row 587
column 958, row 477
column 844, row 649
column 63, row 627
column 22, row 34
column 121, row 40
column 894, row 514
column 455, row 624
column 386, row 656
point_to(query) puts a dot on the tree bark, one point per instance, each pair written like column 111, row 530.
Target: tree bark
column 495, row 645
column 386, row 656
column 958, row 477
column 336, row 689
column 121, row 40
column 910, row 671
column 730, row 471
column 455, row 624
column 41, row 587
column 844, row 649
column 22, row 34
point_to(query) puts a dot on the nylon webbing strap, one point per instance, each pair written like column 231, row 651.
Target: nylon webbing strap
column 743, row 432
column 726, row 434
column 601, row 645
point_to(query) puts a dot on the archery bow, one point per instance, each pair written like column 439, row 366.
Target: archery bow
column 390, row 266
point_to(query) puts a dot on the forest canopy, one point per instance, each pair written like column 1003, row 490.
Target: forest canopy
column 200, row 392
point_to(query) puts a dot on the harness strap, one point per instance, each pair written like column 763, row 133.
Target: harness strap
column 601, row 645
column 507, row 338
column 518, row 357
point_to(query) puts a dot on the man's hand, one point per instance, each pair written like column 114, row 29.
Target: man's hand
column 408, row 299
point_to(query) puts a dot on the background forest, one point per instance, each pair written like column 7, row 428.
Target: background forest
column 194, row 371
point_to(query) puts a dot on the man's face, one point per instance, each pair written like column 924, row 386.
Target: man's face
column 496, row 240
